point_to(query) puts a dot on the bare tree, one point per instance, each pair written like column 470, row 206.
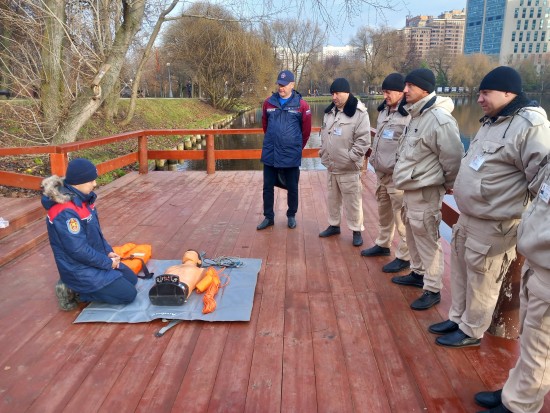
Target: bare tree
column 379, row 49
column 145, row 57
column 440, row 61
column 295, row 43
column 68, row 54
column 227, row 61
column 468, row 70
column 409, row 58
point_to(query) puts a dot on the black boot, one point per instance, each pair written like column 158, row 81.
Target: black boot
column 426, row 300
column 376, row 251
column 445, row 327
column 330, row 231
column 489, row 399
column 457, row 339
column 413, row 279
column 396, row 266
column 265, row 223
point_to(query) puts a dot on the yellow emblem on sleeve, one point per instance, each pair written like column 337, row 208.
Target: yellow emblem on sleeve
column 73, row 225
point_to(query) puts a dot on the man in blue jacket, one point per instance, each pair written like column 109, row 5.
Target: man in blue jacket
column 89, row 270
column 286, row 120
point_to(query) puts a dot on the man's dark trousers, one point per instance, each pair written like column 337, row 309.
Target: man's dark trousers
column 291, row 176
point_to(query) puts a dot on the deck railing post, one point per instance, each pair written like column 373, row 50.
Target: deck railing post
column 506, row 316
column 210, row 155
column 142, row 155
column 58, row 163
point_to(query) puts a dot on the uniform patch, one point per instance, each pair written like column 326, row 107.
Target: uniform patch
column 73, row 226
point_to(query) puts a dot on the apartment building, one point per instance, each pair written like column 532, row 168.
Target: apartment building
column 426, row 33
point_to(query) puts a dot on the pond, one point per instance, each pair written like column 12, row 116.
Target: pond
column 467, row 113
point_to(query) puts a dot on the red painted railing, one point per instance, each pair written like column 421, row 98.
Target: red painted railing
column 59, row 153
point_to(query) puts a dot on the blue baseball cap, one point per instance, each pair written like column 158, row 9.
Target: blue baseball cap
column 285, row 77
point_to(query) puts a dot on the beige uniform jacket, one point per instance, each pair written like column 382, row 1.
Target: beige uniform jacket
column 389, row 128
column 430, row 150
column 502, row 159
column 345, row 139
column 534, row 235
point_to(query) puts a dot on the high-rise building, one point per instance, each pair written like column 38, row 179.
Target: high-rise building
column 484, row 25
column 510, row 30
column 425, row 33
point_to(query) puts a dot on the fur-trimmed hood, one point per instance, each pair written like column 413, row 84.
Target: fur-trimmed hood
column 400, row 107
column 55, row 191
column 349, row 108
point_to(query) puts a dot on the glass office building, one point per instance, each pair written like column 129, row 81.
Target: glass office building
column 484, row 26
column 512, row 30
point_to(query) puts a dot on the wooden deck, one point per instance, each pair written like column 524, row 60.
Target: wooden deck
column 329, row 331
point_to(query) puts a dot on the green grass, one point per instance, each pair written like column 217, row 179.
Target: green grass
column 149, row 114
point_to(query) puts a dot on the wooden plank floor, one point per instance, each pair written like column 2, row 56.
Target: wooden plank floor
column 329, row 332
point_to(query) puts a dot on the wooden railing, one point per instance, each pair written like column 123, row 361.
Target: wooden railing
column 505, row 320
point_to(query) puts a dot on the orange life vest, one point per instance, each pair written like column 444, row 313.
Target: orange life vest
column 133, row 255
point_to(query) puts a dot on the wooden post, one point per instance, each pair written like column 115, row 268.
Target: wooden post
column 58, row 163
column 506, row 316
column 210, row 155
column 142, row 155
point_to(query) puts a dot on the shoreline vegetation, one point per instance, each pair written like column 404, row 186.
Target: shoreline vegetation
column 150, row 114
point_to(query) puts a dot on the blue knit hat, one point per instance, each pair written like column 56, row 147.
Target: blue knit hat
column 504, row 79
column 80, row 171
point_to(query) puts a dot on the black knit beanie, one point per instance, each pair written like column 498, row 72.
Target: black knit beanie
column 504, row 79
column 80, row 171
column 340, row 85
column 394, row 81
column 423, row 78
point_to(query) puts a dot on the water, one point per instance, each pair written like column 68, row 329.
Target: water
column 467, row 113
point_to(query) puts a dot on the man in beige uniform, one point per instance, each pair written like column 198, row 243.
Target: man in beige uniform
column 392, row 119
column 345, row 138
column 491, row 194
column 428, row 160
column 529, row 381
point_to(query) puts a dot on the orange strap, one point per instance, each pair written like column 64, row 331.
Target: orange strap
column 208, row 299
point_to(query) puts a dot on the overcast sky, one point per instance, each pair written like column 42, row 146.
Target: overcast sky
column 344, row 32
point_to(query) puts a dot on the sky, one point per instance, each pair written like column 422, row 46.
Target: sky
column 396, row 19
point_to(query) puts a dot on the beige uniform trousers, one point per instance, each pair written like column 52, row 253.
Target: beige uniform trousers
column 481, row 253
column 345, row 189
column 529, row 381
column 390, row 209
column 422, row 216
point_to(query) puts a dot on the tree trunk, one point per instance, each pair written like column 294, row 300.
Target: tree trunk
column 51, row 94
column 110, row 105
column 88, row 103
column 143, row 61
column 5, row 35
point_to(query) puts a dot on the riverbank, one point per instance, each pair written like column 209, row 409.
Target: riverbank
column 150, row 114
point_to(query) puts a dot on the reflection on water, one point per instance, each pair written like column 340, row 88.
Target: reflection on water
column 467, row 113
